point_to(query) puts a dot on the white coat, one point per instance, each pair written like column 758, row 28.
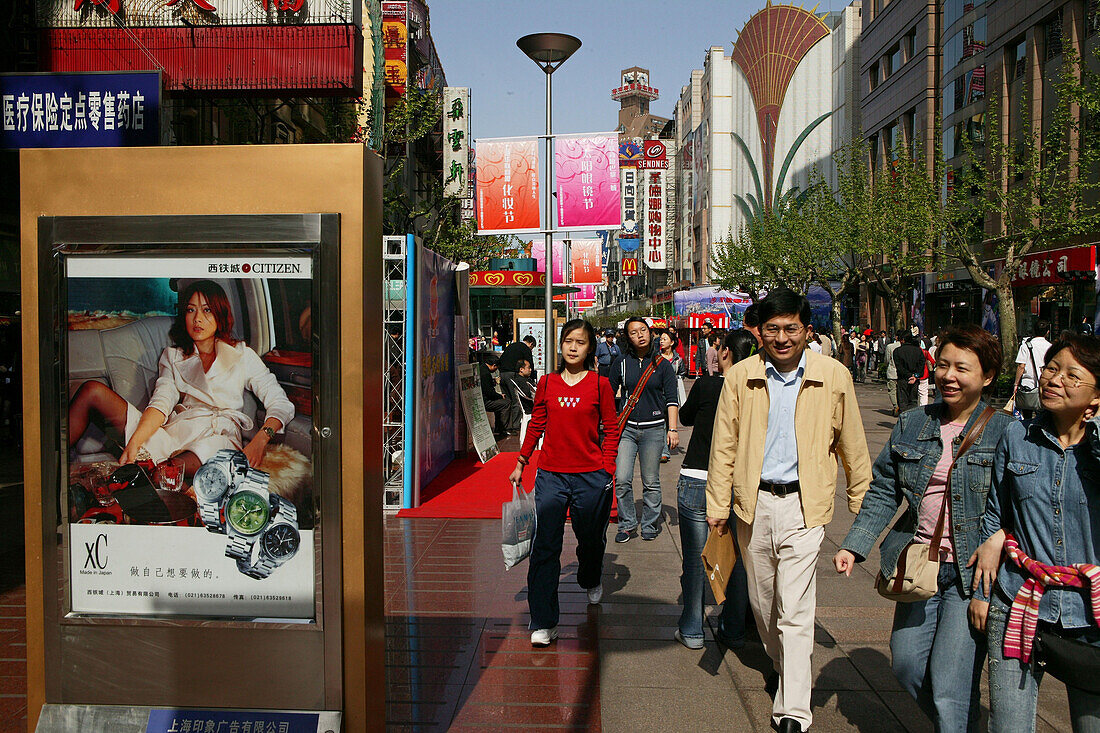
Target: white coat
column 205, row 410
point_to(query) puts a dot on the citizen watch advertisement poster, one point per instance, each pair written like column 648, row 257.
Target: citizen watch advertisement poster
column 189, row 431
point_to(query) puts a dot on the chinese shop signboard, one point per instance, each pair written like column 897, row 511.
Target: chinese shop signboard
column 1046, row 268
column 507, row 185
column 456, row 141
column 654, row 235
column 586, row 168
column 395, row 42
column 79, row 110
column 630, row 185
column 198, row 516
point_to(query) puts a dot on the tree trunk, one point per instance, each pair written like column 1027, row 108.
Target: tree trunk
column 1006, row 309
column 836, row 305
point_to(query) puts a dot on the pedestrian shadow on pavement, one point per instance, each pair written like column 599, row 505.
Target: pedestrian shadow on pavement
column 856, row 695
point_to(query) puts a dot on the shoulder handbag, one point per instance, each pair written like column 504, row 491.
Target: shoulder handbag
column 1028, row 399
column 632, row 402
column 1076, row 663
column 916, row 577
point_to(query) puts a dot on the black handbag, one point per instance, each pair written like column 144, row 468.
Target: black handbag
column 1076, row 663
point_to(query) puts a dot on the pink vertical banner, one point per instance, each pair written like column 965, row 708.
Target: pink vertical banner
column 586, row 168
column 538, row 252
column 585, row 255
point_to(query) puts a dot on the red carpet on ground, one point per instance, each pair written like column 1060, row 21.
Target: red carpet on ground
column 469, row 489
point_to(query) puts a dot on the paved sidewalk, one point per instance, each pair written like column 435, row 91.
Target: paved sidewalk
column 460, row 657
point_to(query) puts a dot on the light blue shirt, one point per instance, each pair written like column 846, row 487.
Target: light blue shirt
column 780, row 446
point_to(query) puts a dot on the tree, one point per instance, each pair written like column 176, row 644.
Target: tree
column 1023, row 190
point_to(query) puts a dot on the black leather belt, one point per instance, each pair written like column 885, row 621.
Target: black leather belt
column 779, row 489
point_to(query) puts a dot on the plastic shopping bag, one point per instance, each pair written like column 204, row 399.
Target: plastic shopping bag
column 518, row 527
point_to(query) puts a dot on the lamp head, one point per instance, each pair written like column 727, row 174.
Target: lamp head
column 549, row 50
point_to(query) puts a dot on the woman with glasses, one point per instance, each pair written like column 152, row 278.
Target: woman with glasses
column 936, row 656
column 1044, row 511
column 652, row 423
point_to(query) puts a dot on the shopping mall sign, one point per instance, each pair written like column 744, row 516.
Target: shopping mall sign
column 1054, row 266
column 79, row 110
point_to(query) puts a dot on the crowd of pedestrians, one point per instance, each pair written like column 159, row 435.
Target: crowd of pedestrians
column 994, row 557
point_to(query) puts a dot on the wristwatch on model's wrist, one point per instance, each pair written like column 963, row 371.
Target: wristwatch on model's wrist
column 269, row 431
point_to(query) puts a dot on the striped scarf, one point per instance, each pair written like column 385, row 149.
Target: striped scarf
column 1023, row 617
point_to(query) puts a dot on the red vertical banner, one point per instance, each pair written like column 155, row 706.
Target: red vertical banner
column 395, row 41
column 586, row 261
column 507, row 185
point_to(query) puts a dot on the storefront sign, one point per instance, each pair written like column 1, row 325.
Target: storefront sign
column 630, row 266
column 631, row 183
column 655, row 193
column 629, row 244
column 585, row 258
column 1046, row 268
column 586, row 168
column 395, row 41
column 630, row 152
column 231, row 541
column 473, row 407
column 79, row 110
column 507, row 279
column 655, row 155
column 253, row 721
column 456, row 141
column 507, row 185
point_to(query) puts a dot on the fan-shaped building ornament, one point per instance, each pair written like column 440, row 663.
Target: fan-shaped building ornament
column 768, row 50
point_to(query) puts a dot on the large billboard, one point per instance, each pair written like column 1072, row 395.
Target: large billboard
column 507, row 185
column 435, row 313
column 586, row 169
column 190, row 485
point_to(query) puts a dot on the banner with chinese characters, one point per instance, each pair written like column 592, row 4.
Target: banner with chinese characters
column 585, row 258
column 1054, row 266
column 631, row 179
column 212, row 513
column 653, row 183
column 456, row 141
column 586, row 168
column 395, row 41
column 79, row 110
column 507, row 185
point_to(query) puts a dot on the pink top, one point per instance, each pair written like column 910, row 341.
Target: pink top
column 932, row 500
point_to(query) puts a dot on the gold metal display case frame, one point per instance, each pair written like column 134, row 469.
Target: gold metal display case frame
column 335, row 663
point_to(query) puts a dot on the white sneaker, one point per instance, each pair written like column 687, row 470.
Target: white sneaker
column 543, row 637
column 595, row 594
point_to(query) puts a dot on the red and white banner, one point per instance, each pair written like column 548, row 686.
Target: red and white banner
column 586, row 168
column 585, row 259
column 1045, row 268
column 507, row 185
column 718, row 320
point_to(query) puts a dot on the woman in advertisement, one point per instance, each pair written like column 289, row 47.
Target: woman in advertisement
column 575, row 472
column 197, row 405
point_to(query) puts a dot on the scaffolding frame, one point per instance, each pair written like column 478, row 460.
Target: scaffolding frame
column 394, row 364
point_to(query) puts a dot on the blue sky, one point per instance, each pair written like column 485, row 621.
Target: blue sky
column 476, row 41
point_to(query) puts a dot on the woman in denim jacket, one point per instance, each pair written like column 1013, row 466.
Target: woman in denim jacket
column 937, row 657
column 1046, row 492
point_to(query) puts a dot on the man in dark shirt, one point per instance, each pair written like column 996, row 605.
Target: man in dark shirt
column 509, row 368
column 607, row 351
column 909, row 361
column 491, row 393
column 702, row 346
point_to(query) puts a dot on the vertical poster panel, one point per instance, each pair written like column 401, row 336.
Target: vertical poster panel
column 456, row 141
column 473, row 406
column 629, row 189
column 507, row 185
column 536, row 329
column 186, row 502
column 586, row 256
column 587, row 172
column 435, row 295
column 395, row 41
column 655, row 198
column 538, row 254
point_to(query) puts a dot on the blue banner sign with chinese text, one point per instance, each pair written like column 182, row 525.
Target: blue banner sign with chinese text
column 88, row 110
column 230, row 721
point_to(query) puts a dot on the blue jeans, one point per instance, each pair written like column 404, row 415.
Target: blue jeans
column 1014, row 686
column 938, row 657
column 587, row 496
column 691, row 505
column 645, row 445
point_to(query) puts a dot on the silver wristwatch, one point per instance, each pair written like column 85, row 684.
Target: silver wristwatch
column 213, row 482
column 247, row 507
column 277, row 543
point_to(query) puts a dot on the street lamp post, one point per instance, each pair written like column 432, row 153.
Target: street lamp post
column 549, row 51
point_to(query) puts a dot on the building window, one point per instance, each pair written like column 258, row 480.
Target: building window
column 893, row 60
column 1092, row 16
column 892, row 138
column 910, row 121
column 874, row 76
column 1052, row 34
column 955, row 9
column 909, row 43
column 872, row 147
column 1017, row 62
column 965, row 44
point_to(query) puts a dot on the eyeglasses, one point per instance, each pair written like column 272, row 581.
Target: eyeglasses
column 1070, row 380
column 772, row 330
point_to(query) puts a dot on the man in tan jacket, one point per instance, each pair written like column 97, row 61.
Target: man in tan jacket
column 784, row 418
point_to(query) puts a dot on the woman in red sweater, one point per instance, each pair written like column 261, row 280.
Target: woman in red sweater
column 576, row 470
